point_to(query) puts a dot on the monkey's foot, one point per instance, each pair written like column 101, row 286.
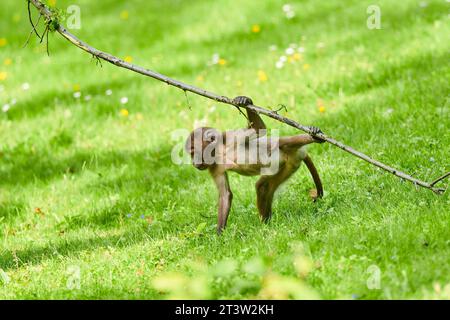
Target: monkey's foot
column 314, row 195
column 314, row 132
column 242, row 101
column 266, row 219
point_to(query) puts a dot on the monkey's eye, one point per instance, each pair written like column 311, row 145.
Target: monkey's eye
column 210, row 136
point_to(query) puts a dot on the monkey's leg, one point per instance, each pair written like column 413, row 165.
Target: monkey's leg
column 298, row 141
column 263, row 199
column 265, row 190
column 315, row 175
column 225, row 199
column 295, row 142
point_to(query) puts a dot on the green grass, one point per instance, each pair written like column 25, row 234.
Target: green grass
column 87, row 167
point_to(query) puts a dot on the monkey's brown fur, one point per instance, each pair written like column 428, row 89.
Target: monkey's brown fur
column 291, row 155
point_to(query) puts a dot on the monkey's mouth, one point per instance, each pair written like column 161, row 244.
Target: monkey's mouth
column 201, row 166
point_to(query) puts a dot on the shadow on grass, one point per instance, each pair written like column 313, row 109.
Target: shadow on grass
column 412, row 68
column 11, row 259
column 9, row 210
column 22, row 166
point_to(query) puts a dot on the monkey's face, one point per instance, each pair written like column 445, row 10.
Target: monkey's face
column 201, row 146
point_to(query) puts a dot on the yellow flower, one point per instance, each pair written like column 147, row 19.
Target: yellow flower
column 306, row 66
column 124, row 15
column 222, row 62
column 139, row 116
column 76, row 87
column 262, row 76
column 3, row 75
column 124, row 112
column 128, row 59
column 256, row 28
column 7, row 62
column 321, row 109
column 3, row 42
column 200, row 78
column 297, row 56
column 52, row 3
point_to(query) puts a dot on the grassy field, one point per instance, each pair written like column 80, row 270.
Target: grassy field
column 91, row 205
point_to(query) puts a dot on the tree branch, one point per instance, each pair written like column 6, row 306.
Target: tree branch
column 50, row 18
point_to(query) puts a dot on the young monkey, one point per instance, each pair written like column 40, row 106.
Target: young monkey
column 250, row 152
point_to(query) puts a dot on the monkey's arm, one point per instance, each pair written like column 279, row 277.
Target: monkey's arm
column 225, row 198
column 255, row 121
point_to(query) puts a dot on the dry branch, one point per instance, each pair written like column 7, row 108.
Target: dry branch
column 51, row 18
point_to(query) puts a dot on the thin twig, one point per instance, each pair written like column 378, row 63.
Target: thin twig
column 241, row 112
column 440, row 178
column 43, row 35
column 187, row 100
column 31, row 32
column 43, row 10
column 97, row 61
column 48, row 52
column 31, row 20
column 281, row 107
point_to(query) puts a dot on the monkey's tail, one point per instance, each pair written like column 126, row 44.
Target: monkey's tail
column 315, row 175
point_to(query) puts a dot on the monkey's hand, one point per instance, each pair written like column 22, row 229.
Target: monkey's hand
column 314, row 132
column 242, row 101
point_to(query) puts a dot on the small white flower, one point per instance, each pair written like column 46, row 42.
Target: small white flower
column 77, row 95
column 6, row 108
column 287, row 7
column 320, row 45
column 182, row 114
column 212, row 109
column 279, row 64
column 215, row 58
column 423, row 4
column 13, row 101
column 25, row 86
column 283, row 58
column 200, row 123
column 273, row 48
column 290, row 14
column 124, row 100
column 301, row 49
column 108, row 92
column 431, row 159
column 88, row 97
column 388, row 112
column 293, row 45
column 290, row 51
